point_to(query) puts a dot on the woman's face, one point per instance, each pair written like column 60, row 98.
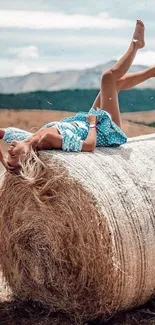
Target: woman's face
column 16, row 150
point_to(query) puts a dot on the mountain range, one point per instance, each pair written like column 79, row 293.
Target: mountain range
column 61, row 80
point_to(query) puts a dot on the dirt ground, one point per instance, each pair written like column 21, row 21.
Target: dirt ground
column 146, row 117
column 33, row 120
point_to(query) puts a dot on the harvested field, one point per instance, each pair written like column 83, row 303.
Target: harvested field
column 30, row 120
column 33, row 120
column 134, row 129
column 146, row 117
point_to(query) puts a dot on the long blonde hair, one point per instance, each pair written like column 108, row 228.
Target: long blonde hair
column 39, row 171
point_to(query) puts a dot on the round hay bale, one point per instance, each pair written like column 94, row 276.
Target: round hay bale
column 5, row 293
column 78, row 232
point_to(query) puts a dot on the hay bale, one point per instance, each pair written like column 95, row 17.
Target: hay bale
column 80, row 235
column 5, row 292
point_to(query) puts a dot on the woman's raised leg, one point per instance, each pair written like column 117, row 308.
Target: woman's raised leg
column 128, row 81
column 109, row 90
column 123, row 64
column 132, row 79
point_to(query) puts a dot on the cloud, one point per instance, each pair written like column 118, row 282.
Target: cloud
column 66, row 38
column 118, row 8
column 22, row 66
column 15, row 67
column 21, row 69
column 25, row 52
column 145, row 58
column 54, row 20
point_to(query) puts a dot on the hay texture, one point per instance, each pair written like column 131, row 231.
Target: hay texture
column 79, row 235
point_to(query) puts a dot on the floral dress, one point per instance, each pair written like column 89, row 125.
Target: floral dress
column 74, row 130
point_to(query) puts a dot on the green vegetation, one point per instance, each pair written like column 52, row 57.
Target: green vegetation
column 77, row 100
column 152, row 124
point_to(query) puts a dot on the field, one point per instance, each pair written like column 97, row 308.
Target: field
column 33, row 120
column 28, row 313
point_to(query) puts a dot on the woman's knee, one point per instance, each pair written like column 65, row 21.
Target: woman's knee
column 107, row 77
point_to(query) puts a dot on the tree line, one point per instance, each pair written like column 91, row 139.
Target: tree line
column 76, row 100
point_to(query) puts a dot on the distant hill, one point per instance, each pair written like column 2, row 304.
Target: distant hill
column 61, row 80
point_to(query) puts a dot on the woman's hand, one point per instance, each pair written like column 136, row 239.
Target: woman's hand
column 89, row 143
column 92, row 119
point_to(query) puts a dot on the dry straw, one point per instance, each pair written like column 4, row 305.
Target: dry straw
column 77, row 231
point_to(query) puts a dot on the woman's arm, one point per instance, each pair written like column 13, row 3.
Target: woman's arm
column 44, row 139
column 90, row 143
column 49, row 140
column 35, row 138
column 52, row 140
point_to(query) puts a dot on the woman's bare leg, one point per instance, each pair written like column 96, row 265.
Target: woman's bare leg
column 128, row 81
column 109, row 91
column 123, row 64
column 97, row 101
column 132, row 79
column 1, row 133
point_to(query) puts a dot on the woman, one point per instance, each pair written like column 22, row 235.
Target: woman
column 102, row 125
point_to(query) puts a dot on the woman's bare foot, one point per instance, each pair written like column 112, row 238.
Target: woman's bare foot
column 138, row 35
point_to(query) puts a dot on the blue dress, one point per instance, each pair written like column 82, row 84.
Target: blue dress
column 75, row 129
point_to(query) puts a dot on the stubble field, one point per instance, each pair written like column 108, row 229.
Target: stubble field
column 32, row 120
column 133, row 124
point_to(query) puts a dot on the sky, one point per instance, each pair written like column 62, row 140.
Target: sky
column 53, row 35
